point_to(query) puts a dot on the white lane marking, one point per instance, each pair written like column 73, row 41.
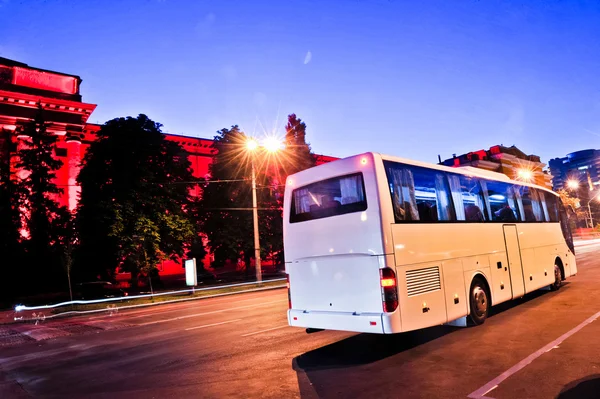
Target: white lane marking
column 262, row 331
column 480, row 393
column 490, row 390
column 205, row 313
column 211, row 325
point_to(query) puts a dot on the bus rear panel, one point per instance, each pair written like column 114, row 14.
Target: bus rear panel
column 334, row 249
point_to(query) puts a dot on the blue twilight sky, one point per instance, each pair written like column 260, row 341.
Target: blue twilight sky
column 408, row 78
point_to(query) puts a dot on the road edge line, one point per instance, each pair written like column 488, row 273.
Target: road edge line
column 480, row 392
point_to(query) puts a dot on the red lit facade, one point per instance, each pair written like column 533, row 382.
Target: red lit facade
column 23, row 87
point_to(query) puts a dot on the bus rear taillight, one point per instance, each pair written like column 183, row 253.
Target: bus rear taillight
column 389, row 290
column 289, row 293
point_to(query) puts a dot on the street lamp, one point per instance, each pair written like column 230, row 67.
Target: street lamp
column 271, row 145
column 525, row 174
column 573, row 184
column 590, row 209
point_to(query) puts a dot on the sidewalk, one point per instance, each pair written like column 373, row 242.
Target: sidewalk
column 7, row 316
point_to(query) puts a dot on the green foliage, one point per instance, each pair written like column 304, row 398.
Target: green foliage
column 44, row 219
column 230, row 232
column 227, row 201
column 134, row 198
column 11, row 250
column 576, row 213
column 297, row 153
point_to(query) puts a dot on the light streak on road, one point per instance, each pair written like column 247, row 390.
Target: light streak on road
column 20, row 308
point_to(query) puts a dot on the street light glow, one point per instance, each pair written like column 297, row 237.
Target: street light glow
column 525, row 174
column 272, row 144
column 251, row 144
column 573, row 184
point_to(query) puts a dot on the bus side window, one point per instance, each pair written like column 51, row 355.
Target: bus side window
column 419, row 194
column 402, row 189
column 552, row 205
column 432, row 191
column 531, row 205
column 542, row 197
column 468, row 197
column 502, row 202
column 564, row 225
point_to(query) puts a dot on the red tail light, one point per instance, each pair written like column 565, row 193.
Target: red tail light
column 289, row 293
column 389, row 291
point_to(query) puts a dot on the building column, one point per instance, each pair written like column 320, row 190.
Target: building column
column 74, row 166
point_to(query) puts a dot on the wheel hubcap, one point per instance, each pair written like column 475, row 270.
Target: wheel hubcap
column 480, row 298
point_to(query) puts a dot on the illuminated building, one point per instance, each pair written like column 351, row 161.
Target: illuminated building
column 507, row 160
column 582, row 166
column 23, row 87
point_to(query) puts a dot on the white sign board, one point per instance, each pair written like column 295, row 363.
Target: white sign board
column 191, row 277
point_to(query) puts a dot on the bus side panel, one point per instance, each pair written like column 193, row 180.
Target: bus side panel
column 531, row 273
column 500, row 284
column 569, row 263
column 421, row 296
column 540, row 244
column 430, row 242
column 455, row 290
column 545, row 257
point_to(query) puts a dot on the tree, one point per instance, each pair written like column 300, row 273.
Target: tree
column 42, row 214
column 227, row 200
column 196, row 249
column 134, row 199
column 297, row 152
column 11, row 250
column 295, row 157
column 577, row 215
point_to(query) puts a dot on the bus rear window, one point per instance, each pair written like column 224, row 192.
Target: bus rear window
column 331, row 197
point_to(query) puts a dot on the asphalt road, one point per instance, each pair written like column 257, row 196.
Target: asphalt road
column 241, row 346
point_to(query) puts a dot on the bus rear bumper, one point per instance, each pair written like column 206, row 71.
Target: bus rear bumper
column 376, row 323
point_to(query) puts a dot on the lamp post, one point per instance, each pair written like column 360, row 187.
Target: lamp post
column 573, row 184
column 272, row 145
column 525, row 175
column 252, row 146
column 590, row 210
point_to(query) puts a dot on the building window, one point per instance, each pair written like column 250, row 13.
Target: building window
column 60, row 152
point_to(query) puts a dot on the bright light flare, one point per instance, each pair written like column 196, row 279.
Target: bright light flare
column 272, row 144
column 525, row 174
column 573, row 184
column 251, row 144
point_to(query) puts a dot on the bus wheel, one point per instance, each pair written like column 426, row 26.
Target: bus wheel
column 557, row 279
column 479, row 301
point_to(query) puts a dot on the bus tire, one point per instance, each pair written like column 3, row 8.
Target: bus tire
column 555, row 286
column 479, row 300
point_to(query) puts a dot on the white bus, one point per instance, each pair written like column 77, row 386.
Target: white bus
column 380, row 244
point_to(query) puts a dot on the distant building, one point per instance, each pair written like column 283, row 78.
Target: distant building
column 583, row 166
column 507, row 160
